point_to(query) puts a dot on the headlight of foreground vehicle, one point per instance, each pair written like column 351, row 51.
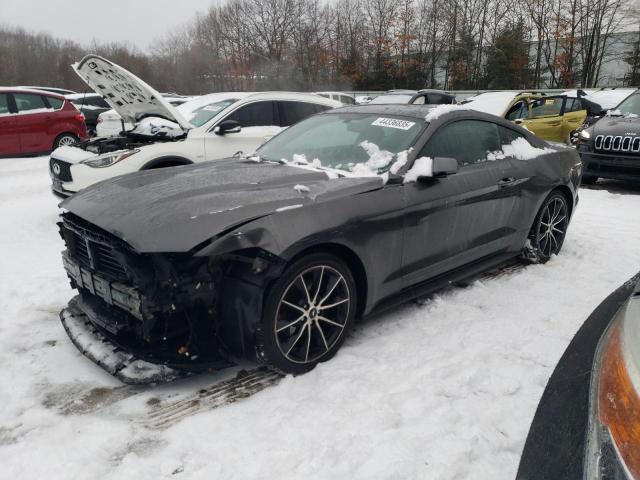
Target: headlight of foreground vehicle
column 110, row 159
column 585, row 134
column 613, row 443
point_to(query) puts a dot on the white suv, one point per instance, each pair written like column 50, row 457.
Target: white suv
column 210, row 127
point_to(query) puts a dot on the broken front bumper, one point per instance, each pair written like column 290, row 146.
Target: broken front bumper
column 98, row 348
column 79, row 320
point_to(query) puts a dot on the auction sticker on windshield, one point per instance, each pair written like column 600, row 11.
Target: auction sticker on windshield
column 393, row 123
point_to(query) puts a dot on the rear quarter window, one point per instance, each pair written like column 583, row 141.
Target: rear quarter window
column 27, row 102
column 55, row 103
column 4, row 104
column 294, row 112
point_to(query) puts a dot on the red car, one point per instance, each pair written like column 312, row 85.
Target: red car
column 37, row 122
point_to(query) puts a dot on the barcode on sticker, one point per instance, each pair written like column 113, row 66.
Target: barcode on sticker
column 393, row 123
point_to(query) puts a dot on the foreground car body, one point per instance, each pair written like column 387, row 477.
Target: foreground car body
column 587, row 426
column 611, row 147
column 272, row 257
column 35, row 122
column 207, row 128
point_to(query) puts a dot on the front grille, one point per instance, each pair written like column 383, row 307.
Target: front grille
column 61, row 170
column 617, row 143
column 92, row 248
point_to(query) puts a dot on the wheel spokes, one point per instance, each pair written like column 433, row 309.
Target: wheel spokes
column 302, row 333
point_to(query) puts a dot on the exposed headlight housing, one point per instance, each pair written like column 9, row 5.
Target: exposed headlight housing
column 613, row 445
column 109, row 159
column 586, row 133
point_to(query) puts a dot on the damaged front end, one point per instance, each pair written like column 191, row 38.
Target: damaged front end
column 162, row 309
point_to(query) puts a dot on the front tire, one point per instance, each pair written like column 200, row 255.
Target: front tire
column 65, row 140
column 307, row 315
column 549, row 229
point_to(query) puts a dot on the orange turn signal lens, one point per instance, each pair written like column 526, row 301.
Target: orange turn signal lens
column 619, row 403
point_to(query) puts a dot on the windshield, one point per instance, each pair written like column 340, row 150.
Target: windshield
column 631, row 106
column 344, row 140
column 382, row 99
column 198, row 113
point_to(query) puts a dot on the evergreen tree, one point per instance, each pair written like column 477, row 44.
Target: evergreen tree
column 508, row 59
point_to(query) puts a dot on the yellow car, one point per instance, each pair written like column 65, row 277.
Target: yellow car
column 553, row 117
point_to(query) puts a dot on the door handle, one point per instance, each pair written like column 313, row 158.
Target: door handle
column 505, row 182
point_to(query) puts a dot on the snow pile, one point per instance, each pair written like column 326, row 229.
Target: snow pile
column 160, row 127
column 521, row 149
column 422, row 167
column 618, row 113
column 377, row 158
column 401, row 160
column 609, row 99
column 428, row 386
column 440, row 110
column 301, row 188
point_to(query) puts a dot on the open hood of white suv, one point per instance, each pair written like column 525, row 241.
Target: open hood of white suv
column 132, row 98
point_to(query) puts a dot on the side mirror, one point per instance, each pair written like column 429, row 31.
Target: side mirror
column 443, row 166
column 227, row 126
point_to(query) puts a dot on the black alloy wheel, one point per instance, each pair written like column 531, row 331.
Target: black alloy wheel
column 308, row 313
column 550, row 227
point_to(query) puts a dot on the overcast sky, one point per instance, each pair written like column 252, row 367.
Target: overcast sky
column 135, row 21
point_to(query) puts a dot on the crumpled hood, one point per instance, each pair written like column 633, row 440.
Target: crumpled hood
column 625, row 126
column 132, row 98
column 175, row 209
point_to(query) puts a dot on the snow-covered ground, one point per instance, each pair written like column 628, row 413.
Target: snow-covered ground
column 445, row 390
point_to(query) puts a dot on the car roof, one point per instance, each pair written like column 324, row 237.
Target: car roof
column 30, row 90
column 413, row 111
column 59, row 91
column 80, row 96
column 421, row 112
column 252, row 96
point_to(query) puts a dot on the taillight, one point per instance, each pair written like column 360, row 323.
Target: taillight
column 79, row 117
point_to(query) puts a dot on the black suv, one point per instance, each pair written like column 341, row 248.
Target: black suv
column 611, row 147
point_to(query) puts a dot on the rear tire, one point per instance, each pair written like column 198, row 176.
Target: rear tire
column 308, row 313
column 65, row 140
column 549, row 229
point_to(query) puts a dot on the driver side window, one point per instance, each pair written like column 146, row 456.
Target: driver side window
column 258, row 114
column 547, row 107
column 468, row 141
column 517, row 111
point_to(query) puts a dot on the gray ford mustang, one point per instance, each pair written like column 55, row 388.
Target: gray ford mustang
column 272, row 257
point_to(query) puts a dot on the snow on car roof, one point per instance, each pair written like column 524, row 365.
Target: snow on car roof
column 491, row 102
column 610, row 98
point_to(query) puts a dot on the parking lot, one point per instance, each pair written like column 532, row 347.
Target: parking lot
column 419, row 392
